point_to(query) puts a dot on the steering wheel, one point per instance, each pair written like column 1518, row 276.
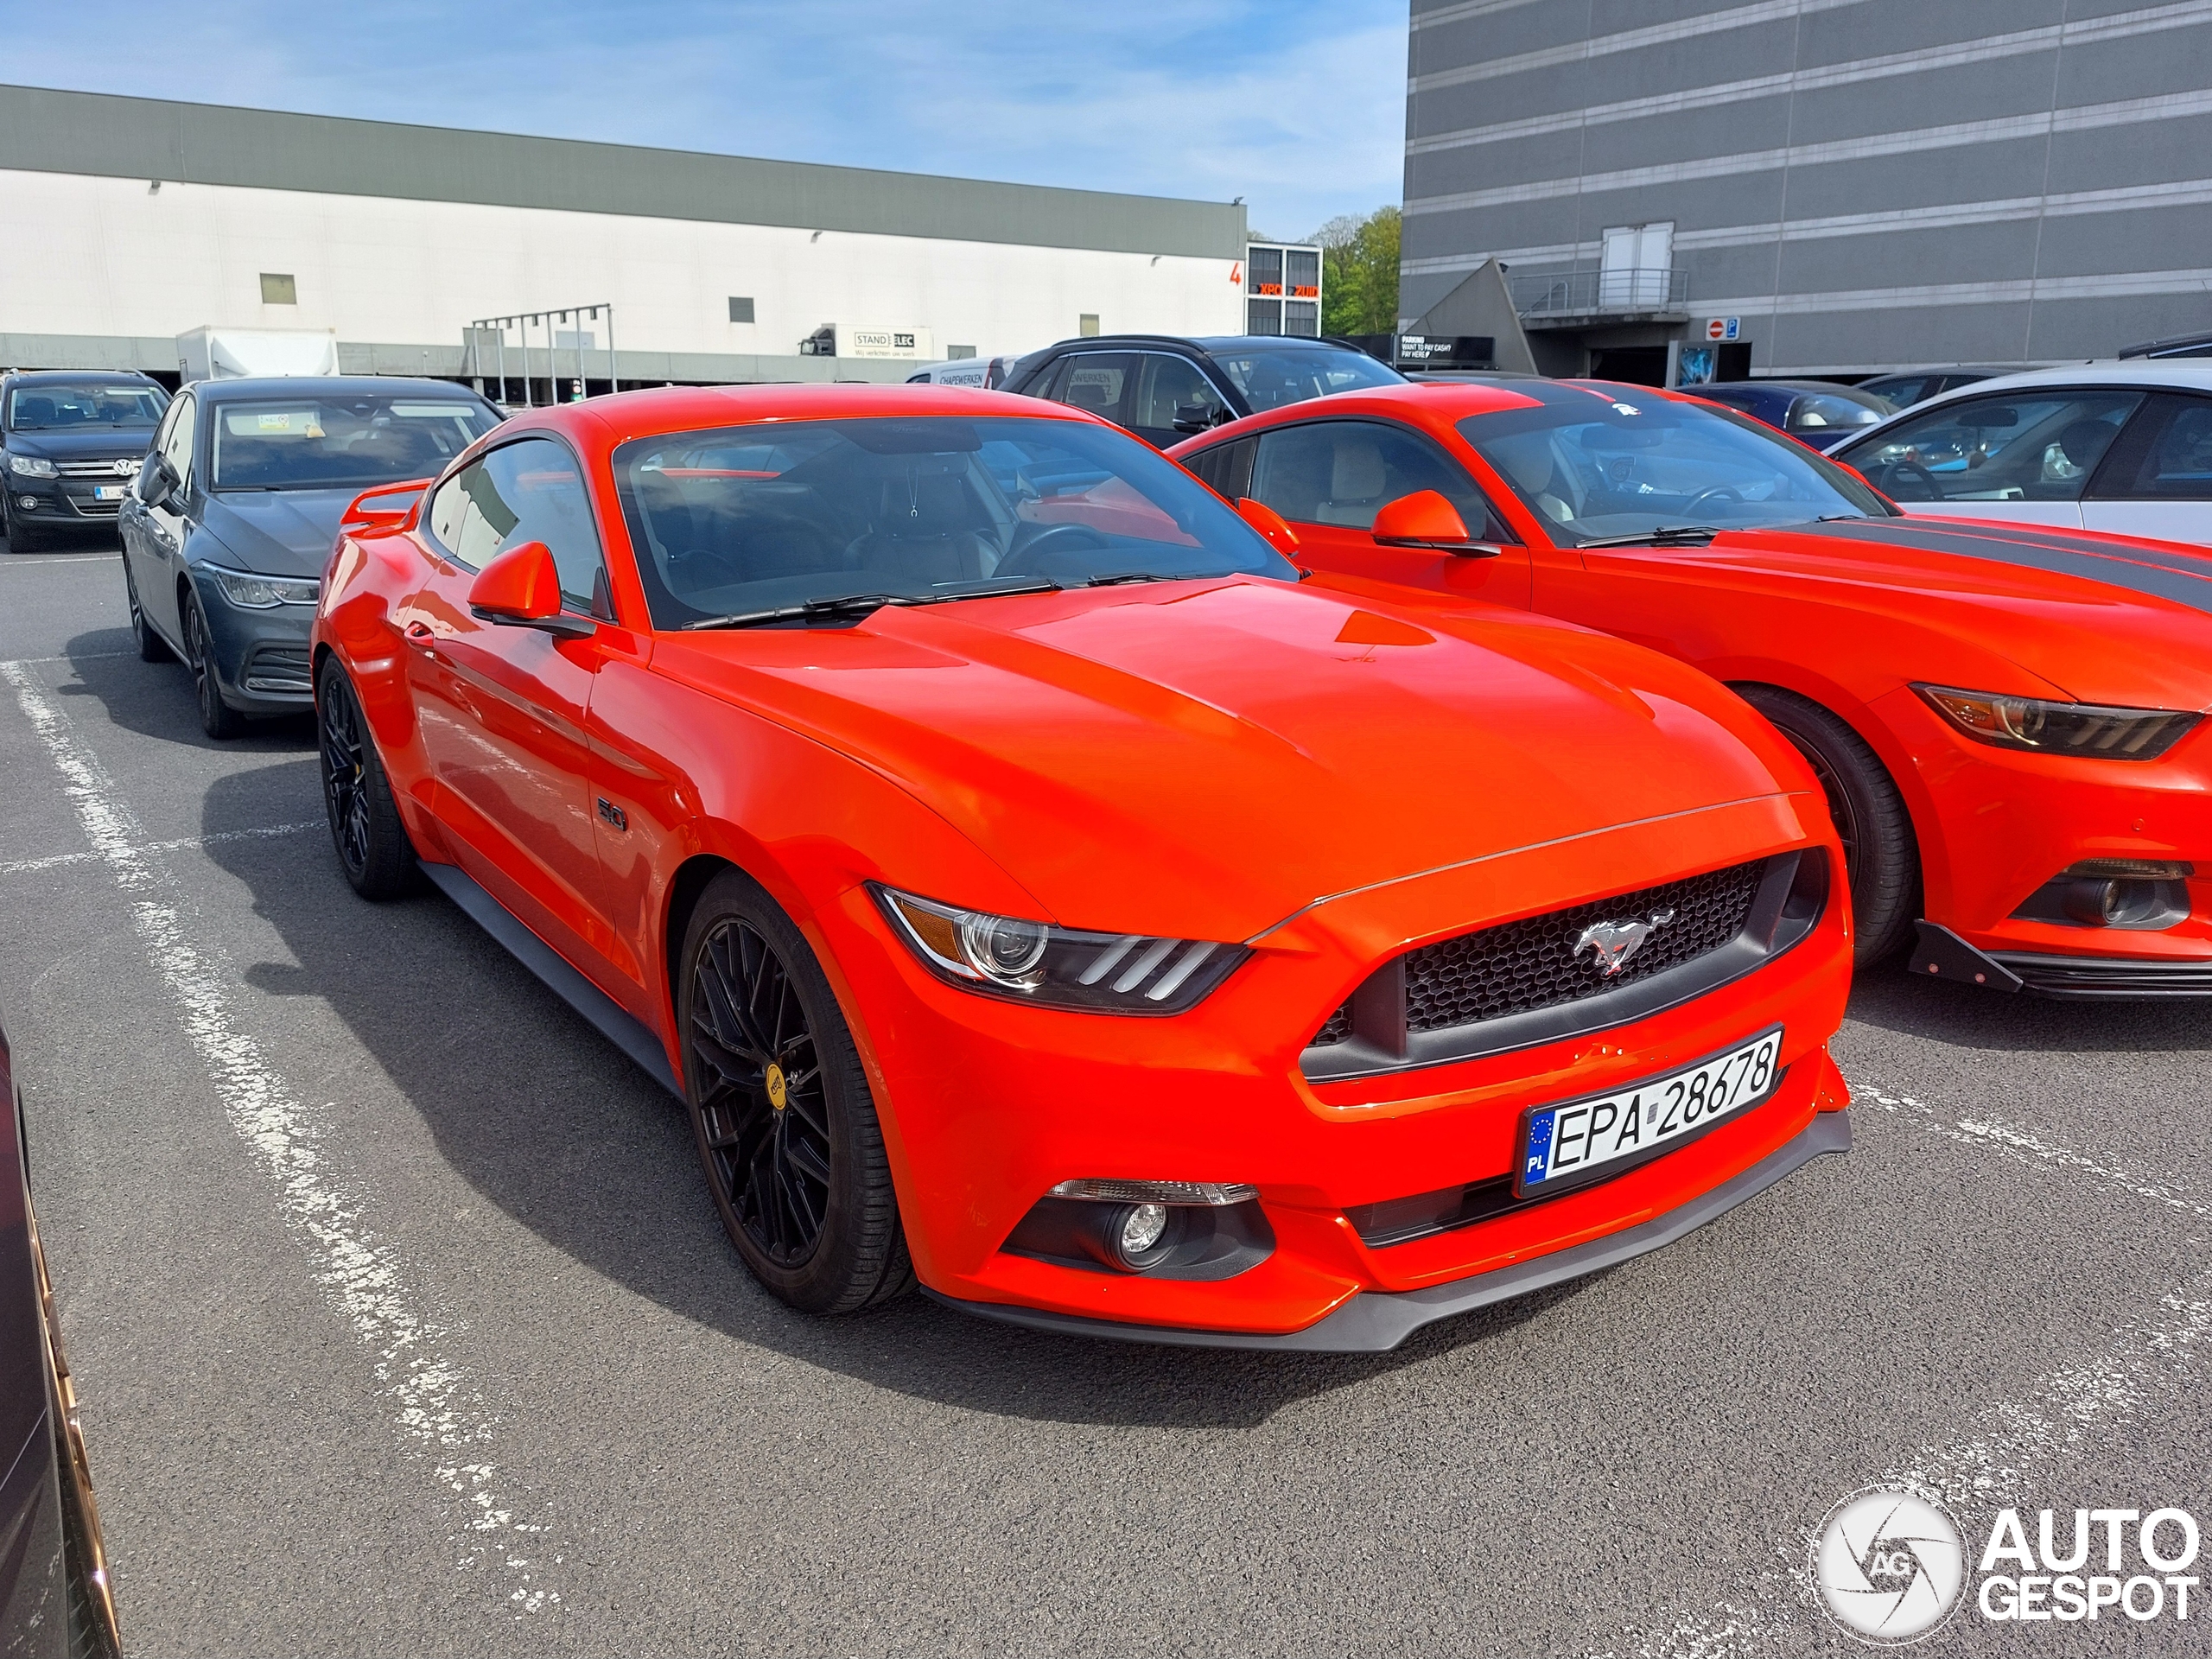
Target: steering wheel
column 1716, row 492
column 1034, row 540
column 1923, row 478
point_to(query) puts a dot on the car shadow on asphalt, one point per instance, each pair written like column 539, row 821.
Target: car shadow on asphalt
column 155, row 699
column 1966, row 1016
column 556, row 1128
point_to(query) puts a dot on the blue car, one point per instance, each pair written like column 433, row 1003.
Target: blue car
column 237, row 507
column 1815, row 412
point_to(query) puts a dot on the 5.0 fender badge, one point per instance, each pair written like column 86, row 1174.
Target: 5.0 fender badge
column 1613, row 943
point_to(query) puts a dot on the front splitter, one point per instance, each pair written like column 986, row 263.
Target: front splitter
column 1375, row 1321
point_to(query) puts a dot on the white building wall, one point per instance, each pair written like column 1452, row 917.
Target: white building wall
column 105, row 257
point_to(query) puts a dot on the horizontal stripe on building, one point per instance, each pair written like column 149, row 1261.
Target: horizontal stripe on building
column 2120, row 25
column 1633, row 40
column 2085, row 117
column 2133, row 197
column 2114, row 285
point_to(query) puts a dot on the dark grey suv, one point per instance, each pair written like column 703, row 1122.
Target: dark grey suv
column 237, row 509
column 72, row 440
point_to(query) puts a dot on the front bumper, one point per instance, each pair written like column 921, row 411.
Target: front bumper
column 261, row 656
column 66, row 500
column 989, row 1105
column 1374, row 1322
column 1942, row 954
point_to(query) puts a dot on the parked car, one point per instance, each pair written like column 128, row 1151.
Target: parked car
column 1164, row 388
column 2007, row 723
column 987, row 372
column 2119, row 446
column 70, row 444
column 55, row 1597
column 1911, row 386
column 234, row 514
column 1035, row 888
column 1815, row 412
column 2196, row 344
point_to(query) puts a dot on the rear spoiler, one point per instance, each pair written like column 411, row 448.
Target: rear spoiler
column 385, row 506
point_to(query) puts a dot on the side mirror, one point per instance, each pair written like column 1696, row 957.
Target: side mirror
column 157, row 480
column 521, row 588
column 1199, row 418
column 384, row 506
column 1269, row 523
column 1425, row 518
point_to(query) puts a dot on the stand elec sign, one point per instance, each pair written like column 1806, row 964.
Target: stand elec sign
column 1724, row 329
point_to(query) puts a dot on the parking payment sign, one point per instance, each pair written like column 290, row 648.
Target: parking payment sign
column 1724, row 329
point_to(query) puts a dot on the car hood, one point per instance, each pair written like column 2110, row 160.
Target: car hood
column 2100, row 618
column 1213, row 756
column 94, row 443
column 278, row 532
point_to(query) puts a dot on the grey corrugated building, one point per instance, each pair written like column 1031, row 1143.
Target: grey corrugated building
column 1865, row 184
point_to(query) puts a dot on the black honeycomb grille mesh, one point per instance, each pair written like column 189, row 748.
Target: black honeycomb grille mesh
column 1338, row 1028
column 1531, row 963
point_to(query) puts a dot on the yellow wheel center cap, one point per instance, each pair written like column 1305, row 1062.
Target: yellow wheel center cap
column 779, row 1087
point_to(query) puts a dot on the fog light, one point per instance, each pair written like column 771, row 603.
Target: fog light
column 1135, row 1236
column 27, row 503
column 1141, row 1226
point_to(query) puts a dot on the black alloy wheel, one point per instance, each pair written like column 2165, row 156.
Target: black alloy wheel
column 152, row 648
column 365, row 823
column 781, row 1109
column 217, row 718
column 1881, row 855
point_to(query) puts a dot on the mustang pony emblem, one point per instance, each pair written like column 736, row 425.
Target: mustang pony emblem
column 1614, row 942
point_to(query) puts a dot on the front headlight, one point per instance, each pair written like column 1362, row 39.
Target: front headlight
column 32, row 465
column 253, row 593
column 1031, row 962
column 2082, row 728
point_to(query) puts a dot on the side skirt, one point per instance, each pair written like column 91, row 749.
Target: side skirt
column 606, row 1016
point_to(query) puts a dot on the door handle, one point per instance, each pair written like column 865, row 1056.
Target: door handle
column 418, row 633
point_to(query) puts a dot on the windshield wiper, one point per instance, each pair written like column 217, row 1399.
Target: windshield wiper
column 840, row 606
column 1664, row 535
column 1121, row 576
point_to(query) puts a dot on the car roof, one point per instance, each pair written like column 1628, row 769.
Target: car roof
column 321, row 386
column 81, row 377
column 1206, row 343
column 655, row 411
column 2177, row 374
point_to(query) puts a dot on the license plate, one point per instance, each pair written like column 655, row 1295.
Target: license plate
column 109, row 491
column 1582, row 1140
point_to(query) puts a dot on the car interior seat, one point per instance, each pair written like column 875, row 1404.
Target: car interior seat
column 1359, row 483
column 2084, row 443
column 34, row 411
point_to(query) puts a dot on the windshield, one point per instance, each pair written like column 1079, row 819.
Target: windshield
column 753, row 517
column 53, row 407
column 1591, row 464
column 345, row 442
column 2034, row 446
column 1276, row 375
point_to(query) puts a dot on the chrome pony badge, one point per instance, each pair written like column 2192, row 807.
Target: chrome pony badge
column 1614, row 942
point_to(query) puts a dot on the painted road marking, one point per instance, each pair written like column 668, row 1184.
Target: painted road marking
column 56, row 860
column 438, row 1406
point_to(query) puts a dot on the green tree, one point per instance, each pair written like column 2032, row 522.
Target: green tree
column 1359, row 281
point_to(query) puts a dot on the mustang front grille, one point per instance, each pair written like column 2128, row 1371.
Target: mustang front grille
column 1571, row 971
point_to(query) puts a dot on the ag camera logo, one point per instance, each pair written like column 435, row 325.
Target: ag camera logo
column 1888, row 1566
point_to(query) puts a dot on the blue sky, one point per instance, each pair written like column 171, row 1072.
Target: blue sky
column 1297, row 105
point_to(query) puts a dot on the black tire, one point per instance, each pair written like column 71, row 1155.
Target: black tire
column 785, row 1124
column 152, row 648
column 366, row 828
column 1880, row 853
column 21, row 537
column 217, row 718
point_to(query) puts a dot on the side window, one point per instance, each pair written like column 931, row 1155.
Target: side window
column 176, row 440
column 1226, row 469
column 1819, row 412
column 530, row 490
column 1344, row 472
column 1098, row 381
column 1171, row 389
column 2032, row 445
column 2166, row 455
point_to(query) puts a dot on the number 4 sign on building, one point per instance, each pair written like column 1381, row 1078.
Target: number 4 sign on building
column 1724, row 329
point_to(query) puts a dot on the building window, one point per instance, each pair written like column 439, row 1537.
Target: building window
column 741, row 310
column 278, row 288
column 1087, row 324
column 958, row 354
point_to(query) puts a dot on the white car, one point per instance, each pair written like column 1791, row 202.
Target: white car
column 985, row 371
column 2125, row 447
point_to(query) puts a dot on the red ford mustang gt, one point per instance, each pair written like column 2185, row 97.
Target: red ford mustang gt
column 1033, row 887
column 2007, row 720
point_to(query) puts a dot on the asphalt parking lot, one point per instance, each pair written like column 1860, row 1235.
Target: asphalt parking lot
column 404, row 1325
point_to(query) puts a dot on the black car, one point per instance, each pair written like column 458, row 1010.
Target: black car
column 1911, row 386
column 54, row 1584
column 1815, row 412
column 74, row 440
column 1164, row 388
column 237, row 509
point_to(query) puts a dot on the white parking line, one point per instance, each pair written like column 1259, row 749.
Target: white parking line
column 12, row 564
column 2157, row 1352
column 55, row 860
column 438, row 1406
column 81, row 657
